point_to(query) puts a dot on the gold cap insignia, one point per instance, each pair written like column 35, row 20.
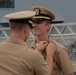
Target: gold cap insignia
column 37, row 10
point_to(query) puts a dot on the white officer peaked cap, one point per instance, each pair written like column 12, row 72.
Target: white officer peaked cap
column 20, row 15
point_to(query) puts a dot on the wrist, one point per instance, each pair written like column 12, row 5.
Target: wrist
column 49, row 55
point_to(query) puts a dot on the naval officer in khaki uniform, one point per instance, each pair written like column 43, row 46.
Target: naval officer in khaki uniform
column 15, row 57
column 41, row 25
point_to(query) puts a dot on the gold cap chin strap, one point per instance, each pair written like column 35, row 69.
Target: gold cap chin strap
column 30, row 21
column 41, row 17
column 36, row 17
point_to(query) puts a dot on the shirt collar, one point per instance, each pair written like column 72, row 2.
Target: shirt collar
column 33, row 44
column 15, row 41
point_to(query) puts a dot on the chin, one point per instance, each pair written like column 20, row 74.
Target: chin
column 36, row 34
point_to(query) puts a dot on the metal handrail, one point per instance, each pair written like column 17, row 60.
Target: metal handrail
column 60, row 35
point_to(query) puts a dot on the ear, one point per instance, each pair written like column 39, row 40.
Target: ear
column 48, row 26
column 25, row 29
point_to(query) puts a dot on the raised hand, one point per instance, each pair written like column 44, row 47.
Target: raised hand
column 42, row 45
column 51, row 48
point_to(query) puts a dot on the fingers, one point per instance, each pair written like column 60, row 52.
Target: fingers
column 41, row 46
column 43, row 43
column 52, row 46
column 52, row 43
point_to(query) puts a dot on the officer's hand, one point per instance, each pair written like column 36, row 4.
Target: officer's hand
column 41, row 46
column 51, row 48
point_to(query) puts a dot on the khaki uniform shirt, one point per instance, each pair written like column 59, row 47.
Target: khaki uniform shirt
column 61, row 60
column 17, row 59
